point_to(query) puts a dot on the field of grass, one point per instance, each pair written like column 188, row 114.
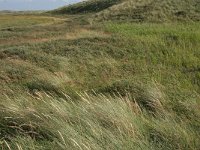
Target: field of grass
column 67, row 84
column 10, row 20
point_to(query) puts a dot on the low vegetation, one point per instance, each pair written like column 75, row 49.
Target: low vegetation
column 69, row 82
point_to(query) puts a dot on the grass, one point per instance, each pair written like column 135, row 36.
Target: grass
column 152, row 11
column 95, row 122
column 68, row 84
column 22, row 20
column 156, row 11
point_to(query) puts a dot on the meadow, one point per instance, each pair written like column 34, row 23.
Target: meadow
column 67, row 83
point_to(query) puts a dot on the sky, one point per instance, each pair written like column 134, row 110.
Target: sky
column 34, row 4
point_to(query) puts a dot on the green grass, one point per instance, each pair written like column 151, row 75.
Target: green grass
column 152, row 11
column 67, row 84
column 22, row 20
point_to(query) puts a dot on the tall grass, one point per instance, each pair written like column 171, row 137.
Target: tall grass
column 95, row 121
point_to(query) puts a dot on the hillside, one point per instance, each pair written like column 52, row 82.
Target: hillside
column 137, row 10
column 90, row 6
column 153, row 11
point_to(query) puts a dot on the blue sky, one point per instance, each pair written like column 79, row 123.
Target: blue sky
column 34, row 4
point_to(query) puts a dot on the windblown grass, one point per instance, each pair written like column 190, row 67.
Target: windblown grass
column 95, row 122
